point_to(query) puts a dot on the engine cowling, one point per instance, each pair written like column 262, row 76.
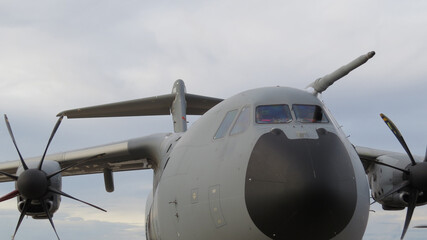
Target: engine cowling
column 52, row 200
column 383, row 179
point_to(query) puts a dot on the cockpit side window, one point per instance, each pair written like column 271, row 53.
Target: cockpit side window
column 309, row 113
column 242, row 122
column 268, row 114
column 225, row 124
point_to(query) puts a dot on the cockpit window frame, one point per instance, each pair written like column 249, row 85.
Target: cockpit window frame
column 226, row 123
column 242, row 122
column 289, row 117
column 298, row 118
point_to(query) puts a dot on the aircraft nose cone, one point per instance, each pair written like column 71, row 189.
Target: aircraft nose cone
column 301, row 188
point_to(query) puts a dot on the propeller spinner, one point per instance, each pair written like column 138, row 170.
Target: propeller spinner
column 33, row 184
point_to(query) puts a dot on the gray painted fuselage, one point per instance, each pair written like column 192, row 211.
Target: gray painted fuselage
column 199, row 186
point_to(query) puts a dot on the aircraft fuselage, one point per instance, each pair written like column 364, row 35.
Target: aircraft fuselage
column 269, row 163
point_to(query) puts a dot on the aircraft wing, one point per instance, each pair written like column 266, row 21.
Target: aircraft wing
column 368, row 155
column 158, row 105
column 134, row 154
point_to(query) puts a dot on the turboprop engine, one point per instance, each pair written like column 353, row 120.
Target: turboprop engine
column 383, row 179
column 397, row 183
column 29, row 189
column 38, row 184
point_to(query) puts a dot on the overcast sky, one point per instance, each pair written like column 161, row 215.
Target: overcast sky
column 57, row 55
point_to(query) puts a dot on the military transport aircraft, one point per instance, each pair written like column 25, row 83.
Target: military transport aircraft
column 268, row 163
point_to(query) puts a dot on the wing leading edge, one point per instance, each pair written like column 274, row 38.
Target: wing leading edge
column 134, row 154
column 369, row 155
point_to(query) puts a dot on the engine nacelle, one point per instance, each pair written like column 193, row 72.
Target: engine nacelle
column 52, row 200
column 383, row 179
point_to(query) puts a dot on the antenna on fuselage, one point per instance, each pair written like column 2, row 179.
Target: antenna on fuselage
column 321, row 84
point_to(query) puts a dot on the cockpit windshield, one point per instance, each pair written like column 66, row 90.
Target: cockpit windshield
column 273, row 114
column 309, row 113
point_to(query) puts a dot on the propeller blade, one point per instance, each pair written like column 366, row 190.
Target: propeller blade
column 24, row 211
column 69, row 196
column 9, row 128
column 396, row 189
column 50, row 217
column 399, row 136
column 76, row 164
column 9, row 196
column 413, row 196
column 421, row 226
column 425, row 158
column 13, row 177
column 387, row 165
column 50, row 140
